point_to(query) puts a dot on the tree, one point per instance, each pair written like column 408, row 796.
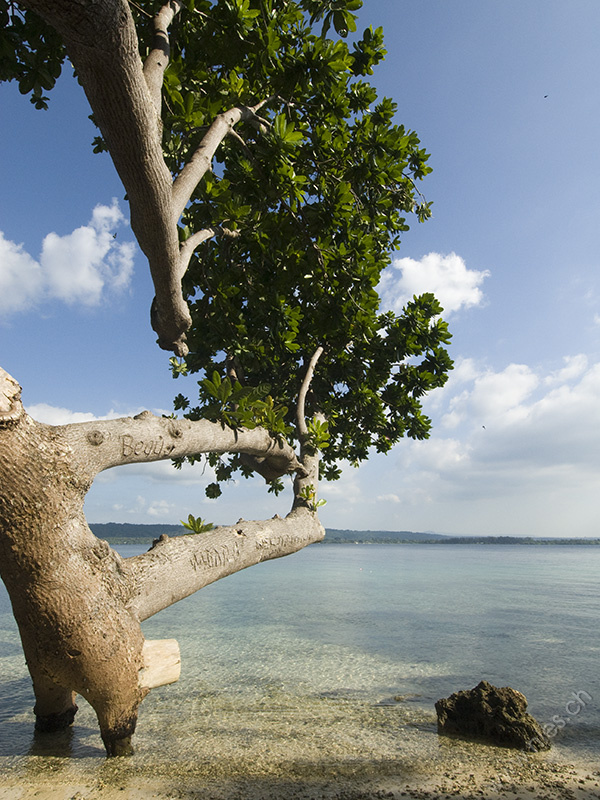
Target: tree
column 267, row 185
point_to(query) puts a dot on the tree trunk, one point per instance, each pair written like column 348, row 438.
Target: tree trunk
column 78, row 604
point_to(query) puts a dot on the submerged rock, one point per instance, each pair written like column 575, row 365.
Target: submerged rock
column 491, row 714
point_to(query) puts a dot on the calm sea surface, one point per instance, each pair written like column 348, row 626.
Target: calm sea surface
column 337, row 634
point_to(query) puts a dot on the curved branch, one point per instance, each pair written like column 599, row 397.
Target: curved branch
column 310, row 371
column 176, row 568
column 187, row 248
column 196, row 239
column 201, row 161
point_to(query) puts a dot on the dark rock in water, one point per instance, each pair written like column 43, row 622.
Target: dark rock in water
column 494, row 715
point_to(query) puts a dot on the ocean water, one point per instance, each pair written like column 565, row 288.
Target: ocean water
column 338, row 653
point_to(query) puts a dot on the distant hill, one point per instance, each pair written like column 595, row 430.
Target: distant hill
column 523, row 540
column 413, row 537
column 129, row 533
column 333, row 535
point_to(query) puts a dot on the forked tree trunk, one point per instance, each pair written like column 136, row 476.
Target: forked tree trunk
column 77, row 603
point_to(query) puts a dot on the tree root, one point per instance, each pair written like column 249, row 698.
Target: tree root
column 50, row 723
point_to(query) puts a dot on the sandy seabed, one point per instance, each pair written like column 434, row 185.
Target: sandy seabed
column 328, row 750
column 490, row 776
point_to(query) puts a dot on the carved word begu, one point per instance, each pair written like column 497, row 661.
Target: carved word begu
column 132, row 448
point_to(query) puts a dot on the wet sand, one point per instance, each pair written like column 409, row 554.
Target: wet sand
column 362, row 756
column 510, row 779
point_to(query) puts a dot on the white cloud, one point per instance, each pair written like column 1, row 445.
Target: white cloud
column 138, row 506
column 164, row 472
column 483, row 396
column 55, row 415
column 80, row 267
column 447, row 276
column 21, row 278
column 522, row 444
column 521, row 459
column 465, row 371
column 161, row 508
column 347, row 487
column 437, row 457
column 498, row 395
column 388, row 498
column 574, row 367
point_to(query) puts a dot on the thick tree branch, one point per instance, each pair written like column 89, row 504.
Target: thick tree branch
column 77, row 602
column 102, row 44
column 105, row 444
column 175, row 568
column 101, row 41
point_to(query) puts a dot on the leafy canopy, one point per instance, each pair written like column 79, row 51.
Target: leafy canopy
column 307, row 198
column 316, row 198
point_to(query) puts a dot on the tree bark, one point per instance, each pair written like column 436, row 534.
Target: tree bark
column 77, row 602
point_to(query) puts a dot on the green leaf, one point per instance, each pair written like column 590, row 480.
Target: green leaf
column 213, row 490
column 197, row 524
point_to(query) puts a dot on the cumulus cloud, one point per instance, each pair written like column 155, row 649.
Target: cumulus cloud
column 447, row 276
column 501, row 396
column 574, row 367
column 388, row 498
column 21, row 278
column 347, row 488
column 55, row 415
column 161, row 508
column 513, row 450
column 80, row 267
column 515, row 433
column 465, row 371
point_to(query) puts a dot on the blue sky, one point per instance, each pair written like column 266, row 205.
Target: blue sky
column 504, row 95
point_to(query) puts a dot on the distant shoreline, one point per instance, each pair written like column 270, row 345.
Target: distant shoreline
column 131, row 533
column 483, row 540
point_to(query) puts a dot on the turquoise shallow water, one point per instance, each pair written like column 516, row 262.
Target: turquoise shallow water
column 330, row 638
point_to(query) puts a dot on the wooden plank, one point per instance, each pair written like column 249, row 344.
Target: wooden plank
column 162, row 663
